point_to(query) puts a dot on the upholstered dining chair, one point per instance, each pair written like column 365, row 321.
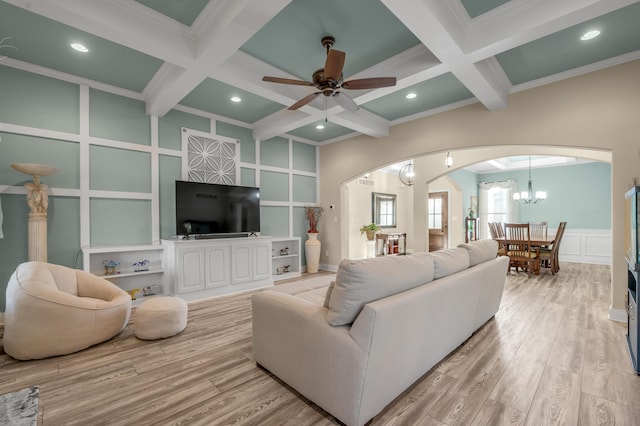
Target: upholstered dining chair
column 519, row 249
column 550, row 255
column 54, row 310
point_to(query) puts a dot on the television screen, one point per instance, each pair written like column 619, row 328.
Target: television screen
column 207, row 208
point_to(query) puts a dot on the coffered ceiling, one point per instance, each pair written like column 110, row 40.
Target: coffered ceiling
column 200, row 53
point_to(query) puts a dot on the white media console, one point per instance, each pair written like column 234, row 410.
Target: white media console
column 199, row 269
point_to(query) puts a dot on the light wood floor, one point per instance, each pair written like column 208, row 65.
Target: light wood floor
column 550, row 356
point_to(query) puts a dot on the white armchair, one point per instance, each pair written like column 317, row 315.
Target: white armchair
column 54, row 310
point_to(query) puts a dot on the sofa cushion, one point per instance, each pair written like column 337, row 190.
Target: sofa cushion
column 449, row 261
column 327, row 296
column 480, row 251
column 359, row 282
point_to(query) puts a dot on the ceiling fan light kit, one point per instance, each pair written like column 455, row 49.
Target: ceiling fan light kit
column 329, row 80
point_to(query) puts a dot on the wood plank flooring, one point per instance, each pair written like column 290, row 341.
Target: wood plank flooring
column 549, row 357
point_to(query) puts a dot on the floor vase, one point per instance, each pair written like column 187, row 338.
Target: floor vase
column 312, row 252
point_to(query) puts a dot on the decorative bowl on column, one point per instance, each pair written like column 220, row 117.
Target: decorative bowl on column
column 38, row 201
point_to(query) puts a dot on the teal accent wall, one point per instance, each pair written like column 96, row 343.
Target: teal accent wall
column 13, row 247
column 304, row 157
column 304, row 189
column 274, row 221
column 29, row 149
column 300, row 228
column 247, row 143
column 579, row 194
column 33, row 100
column 120, row 222
column 170, row 125
column 468, row 182
column 118, row 118
column 63, row 231
column 170, row 172
column 42, row 103
column 274, row 186
column 247, row 177
column 275, row 152
column 114, row 169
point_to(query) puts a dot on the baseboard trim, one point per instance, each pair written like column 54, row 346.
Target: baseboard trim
column 619, row 315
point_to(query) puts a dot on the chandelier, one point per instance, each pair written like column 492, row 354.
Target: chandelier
column 526, row 197
column 406, row 174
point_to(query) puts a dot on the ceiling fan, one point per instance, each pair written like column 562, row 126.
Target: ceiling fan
column 328, row 80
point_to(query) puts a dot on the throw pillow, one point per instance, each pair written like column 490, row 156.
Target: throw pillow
column 449, row 261
column 480, row 251
column 359, row 282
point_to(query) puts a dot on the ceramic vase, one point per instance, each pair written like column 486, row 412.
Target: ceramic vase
column 312, row 252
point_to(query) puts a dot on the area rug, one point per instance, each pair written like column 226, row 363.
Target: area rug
column 20, row 408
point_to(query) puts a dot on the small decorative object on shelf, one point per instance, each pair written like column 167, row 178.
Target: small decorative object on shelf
column 284, row 251
column 283, row 269
column 140, row 266
column 133, row 293
column 149, row 290
column 110, row 267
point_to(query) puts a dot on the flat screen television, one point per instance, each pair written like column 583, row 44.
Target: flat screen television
column 212, row 209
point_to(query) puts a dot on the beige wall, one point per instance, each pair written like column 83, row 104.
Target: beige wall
column 598, row 111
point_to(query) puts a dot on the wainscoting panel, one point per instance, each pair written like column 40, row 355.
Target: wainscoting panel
column 586, row 246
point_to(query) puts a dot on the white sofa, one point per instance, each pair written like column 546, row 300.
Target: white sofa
column 353, row 347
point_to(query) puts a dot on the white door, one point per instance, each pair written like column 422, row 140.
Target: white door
column 190, row 269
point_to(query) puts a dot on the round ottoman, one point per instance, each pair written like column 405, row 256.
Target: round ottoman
column 159, row 317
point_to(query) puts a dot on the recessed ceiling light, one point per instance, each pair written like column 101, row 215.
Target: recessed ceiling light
column 411, row 95
column 590, row 34
column 79, row 47
column 319, row 127
column 235, row 99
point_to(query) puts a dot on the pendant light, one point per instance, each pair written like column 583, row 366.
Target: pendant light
column 527, row 197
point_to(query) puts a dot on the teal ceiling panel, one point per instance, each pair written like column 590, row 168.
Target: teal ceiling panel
column 430, row 94
column 478, row 7
column 183, row 11
column 214, row 96
column 562, row 51
column 330, row 131
column 45, row 42
column 300, row 26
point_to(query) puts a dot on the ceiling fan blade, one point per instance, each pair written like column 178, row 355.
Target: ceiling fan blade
column 286, row 81
column 369, row 83
column 302, row 102
column 345, row 101
column 333, row 65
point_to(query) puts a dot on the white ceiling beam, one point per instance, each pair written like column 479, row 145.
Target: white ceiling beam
column 433, row 23
column 521, row 21
column 123, row 22
column 222, row 28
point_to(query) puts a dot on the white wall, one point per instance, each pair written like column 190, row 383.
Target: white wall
column 359, row 212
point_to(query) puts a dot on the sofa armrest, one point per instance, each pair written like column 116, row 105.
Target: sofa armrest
column 293, row 340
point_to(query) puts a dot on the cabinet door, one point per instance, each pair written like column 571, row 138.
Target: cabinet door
column 241, row 263
column 190, row 269
column 262, row 261
column 217, row 266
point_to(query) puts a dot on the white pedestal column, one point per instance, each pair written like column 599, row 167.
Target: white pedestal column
column 38, row 237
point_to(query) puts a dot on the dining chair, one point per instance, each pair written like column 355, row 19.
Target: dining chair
column 493, row 229
column 499, row 229
column 550, row 255
column 519, row 249
column 538, row 230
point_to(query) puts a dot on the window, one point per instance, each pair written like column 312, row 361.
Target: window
column 435, row 213
column 383, row 208
column 496, row 204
